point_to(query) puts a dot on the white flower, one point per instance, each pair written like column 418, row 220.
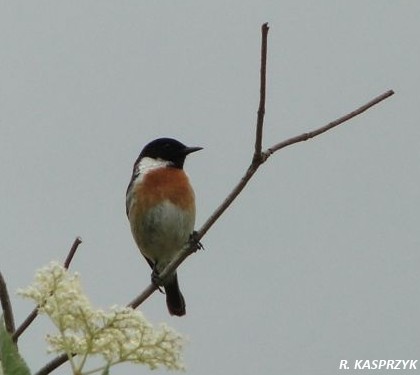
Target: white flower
column 120, row 335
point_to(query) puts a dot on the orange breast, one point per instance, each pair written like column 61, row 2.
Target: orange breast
column 165, row 184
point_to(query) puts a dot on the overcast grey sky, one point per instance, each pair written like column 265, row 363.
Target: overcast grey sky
column 318, row 260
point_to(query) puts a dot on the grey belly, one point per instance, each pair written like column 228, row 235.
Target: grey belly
column 162, row 232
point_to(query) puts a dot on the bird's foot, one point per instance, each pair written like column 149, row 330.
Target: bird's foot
column 157, row 280
column 195, row 242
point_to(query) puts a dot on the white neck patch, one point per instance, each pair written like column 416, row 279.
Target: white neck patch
column 149, row 164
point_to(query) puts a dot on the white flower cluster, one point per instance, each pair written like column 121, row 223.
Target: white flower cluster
column 120, row 335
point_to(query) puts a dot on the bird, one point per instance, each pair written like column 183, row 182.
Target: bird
column 160, row 206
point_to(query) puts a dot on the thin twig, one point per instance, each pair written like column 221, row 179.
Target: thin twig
column 72, row 251
column 261, row 107
column 25, row 324
column 143, row 296
column 6, row 305
column 34, row 313
column 323, row 129
column 53, row 364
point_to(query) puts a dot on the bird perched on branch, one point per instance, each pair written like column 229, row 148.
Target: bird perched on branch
column 160, row 206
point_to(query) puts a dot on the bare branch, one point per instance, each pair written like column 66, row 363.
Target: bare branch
column 25, row 324
column 34, row 313
column 261, row 107
column 6, row 305
column 323, row 129
column 143, row 296
column 72, row 252
column 53, row 364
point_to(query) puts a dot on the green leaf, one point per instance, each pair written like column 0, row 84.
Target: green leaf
column 11, row 361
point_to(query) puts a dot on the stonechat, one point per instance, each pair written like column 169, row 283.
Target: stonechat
column 160, row 205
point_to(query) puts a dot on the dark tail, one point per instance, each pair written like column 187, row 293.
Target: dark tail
column 174, row 298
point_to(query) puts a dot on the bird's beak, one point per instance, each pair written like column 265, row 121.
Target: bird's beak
column 189, row 150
